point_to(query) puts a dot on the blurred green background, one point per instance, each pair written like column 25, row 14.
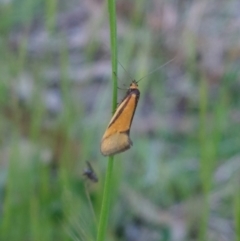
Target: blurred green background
column 181, row 179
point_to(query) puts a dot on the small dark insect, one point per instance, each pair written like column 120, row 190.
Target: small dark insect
column 89, row 173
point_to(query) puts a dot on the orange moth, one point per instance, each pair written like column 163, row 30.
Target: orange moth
column 116, row 138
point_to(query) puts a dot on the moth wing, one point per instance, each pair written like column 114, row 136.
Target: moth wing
column 116, row 137
column 116, row 143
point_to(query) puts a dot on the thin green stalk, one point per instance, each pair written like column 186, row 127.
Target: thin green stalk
column 205, row 152
column 108, row 180
column 113, row 39
column 105, row 202
column 237, row 208
column 51, row 12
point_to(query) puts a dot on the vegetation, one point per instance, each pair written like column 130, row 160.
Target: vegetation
column 180, row 180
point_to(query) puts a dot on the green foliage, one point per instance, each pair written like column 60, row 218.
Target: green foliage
column 182, row 172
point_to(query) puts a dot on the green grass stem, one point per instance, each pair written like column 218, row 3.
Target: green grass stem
column 108, row 180
column 236, row 209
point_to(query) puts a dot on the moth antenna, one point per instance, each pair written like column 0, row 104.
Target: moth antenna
column 119, row 81
column 126, row 71
column 157, row 68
